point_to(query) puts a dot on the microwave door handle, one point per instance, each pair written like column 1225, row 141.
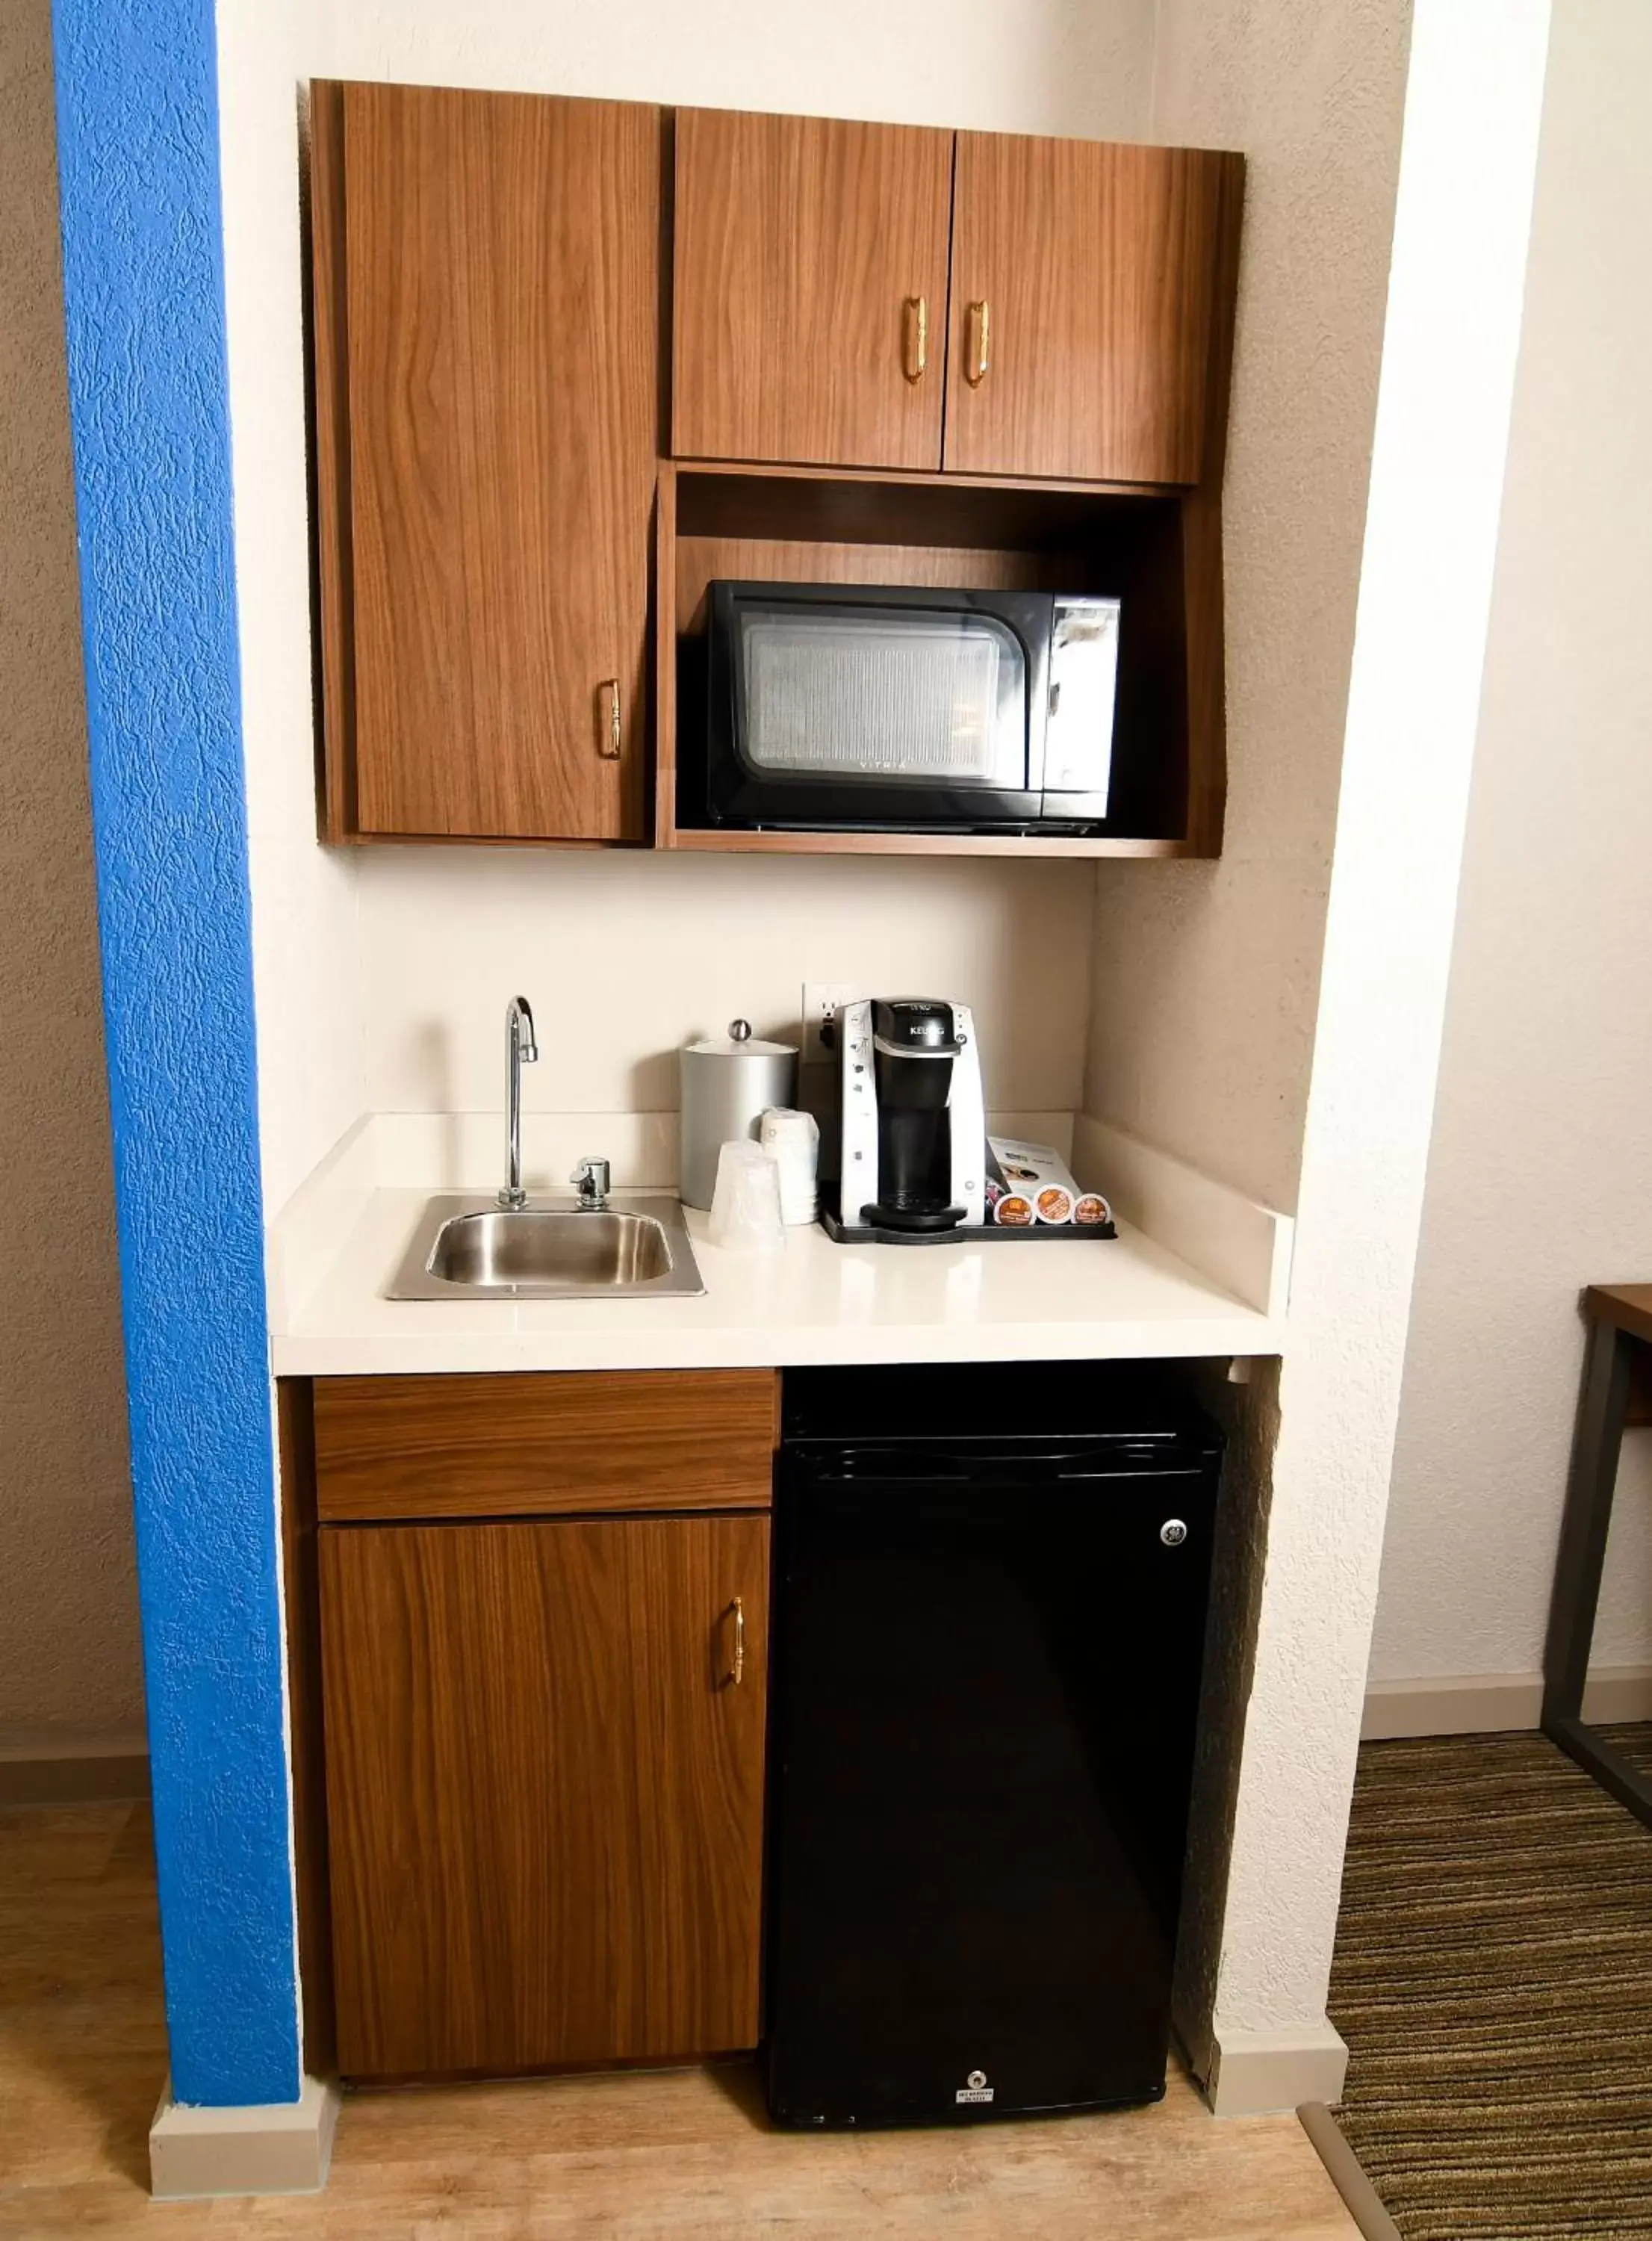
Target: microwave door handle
column 1041, row 697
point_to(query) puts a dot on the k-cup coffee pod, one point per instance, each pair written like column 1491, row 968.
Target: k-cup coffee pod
column 1036, row 1172
column 1091, row 1210
column 1015, row 1212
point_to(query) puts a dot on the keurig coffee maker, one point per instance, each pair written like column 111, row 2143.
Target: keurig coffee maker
column 914, row 1124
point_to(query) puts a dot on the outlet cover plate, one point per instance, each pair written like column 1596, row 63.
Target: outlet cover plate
column 820, row 999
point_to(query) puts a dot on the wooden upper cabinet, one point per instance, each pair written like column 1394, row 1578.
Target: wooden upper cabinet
column 810, row 303
column 1089, row 295
column 486, row 272
column 545, row 1783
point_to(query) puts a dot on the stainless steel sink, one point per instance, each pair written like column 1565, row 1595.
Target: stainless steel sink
column 635, row 1247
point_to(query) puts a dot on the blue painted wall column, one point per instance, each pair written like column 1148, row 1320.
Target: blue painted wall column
column 143, row 286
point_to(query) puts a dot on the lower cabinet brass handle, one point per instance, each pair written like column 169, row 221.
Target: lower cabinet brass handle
column 613, row 738
column 917, row 336
column 737, row 1670
column 981, row 320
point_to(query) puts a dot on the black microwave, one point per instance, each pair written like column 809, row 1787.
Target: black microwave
column 877, row 709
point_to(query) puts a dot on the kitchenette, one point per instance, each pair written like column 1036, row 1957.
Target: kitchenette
column 779, row 720
column 751, row 1441
column 557, row 1451
column 547, row 1596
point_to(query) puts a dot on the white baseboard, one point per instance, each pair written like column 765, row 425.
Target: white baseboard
column 1493, row 1703
column 1255, row 2073
column 1618, row 1692
column 281, row 2148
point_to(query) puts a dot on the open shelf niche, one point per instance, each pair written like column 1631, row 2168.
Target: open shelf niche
column 1159, row 550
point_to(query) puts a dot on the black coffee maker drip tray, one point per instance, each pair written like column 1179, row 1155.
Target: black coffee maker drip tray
column 862, row 1232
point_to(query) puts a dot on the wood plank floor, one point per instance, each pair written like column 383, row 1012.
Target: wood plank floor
column 682, row 2153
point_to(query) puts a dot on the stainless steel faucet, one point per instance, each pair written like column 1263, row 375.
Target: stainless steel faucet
column 520, row 1050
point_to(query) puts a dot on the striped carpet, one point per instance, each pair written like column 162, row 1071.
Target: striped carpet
column 1494, row 1982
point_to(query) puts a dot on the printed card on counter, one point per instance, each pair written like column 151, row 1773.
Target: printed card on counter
column 1030, row 1184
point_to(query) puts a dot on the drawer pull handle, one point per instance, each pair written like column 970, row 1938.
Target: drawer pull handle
column 613, row 737
column 981, row 320
column 737, row 1670
column 917, row 337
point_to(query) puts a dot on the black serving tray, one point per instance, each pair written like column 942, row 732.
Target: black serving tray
column 1067, row 1233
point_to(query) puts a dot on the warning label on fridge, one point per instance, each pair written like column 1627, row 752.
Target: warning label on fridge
column 977, row 2088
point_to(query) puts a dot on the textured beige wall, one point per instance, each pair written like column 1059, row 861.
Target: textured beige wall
column 1207, row 975
column 69, row 1646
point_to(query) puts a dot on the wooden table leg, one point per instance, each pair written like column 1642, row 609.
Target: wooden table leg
column 1577, row 1571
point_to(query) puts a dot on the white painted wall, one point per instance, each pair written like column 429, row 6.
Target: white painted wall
column 624, row 960
column 304, row 897
column 1540, row 1174
column 1078, row 66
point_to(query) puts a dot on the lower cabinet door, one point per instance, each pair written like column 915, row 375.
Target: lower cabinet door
column 545, row 1785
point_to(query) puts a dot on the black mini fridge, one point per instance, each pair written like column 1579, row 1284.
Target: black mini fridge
column 991, row 1592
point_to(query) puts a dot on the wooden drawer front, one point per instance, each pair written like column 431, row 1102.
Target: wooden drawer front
column 539, row 1444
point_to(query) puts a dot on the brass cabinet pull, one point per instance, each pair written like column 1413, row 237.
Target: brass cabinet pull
column 917, row 336
column 613, row 737
column 737, row 1670
column 980, row 321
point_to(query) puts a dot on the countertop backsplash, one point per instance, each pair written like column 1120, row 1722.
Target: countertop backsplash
column 625, row 957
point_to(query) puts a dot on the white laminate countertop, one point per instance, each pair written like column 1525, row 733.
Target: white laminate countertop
column 813, row 1302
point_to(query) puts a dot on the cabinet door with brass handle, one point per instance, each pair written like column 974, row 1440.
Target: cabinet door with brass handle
column 979, row 358
column 917, row 314
column 1090, row 283
column 490, row 458
column 735, row 1614
column 610, row 733
column 810, row 254
column 545, row 1799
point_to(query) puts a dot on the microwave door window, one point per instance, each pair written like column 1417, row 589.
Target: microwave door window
column 913, row 700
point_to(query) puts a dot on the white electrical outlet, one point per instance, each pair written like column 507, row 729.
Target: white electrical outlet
column 820, row 999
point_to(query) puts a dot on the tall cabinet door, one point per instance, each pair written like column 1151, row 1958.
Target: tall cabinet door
column 545, row 1783
column 500, row 312
column 811, row 290
column 1084, row 297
